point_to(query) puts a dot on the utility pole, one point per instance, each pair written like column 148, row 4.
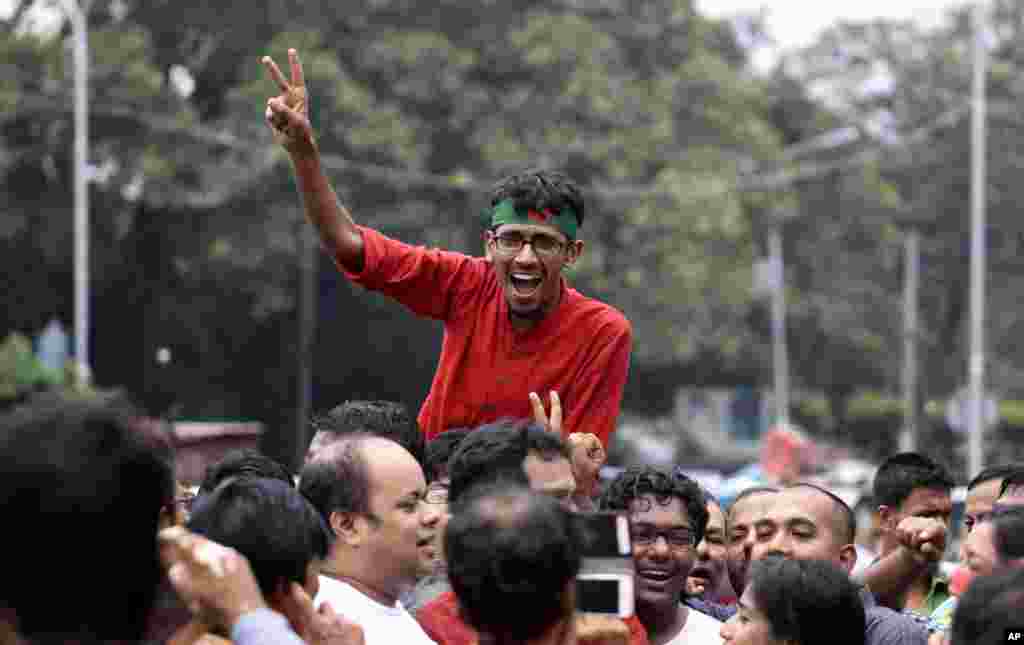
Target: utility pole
column 780, row 355
column 976, row 365
column 308, row 254
column 80, row 34
column 912, row 272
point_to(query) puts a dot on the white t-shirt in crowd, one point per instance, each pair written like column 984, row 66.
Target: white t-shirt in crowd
column 382, row 625
column 700, row 629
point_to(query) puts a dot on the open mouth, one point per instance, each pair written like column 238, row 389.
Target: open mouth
column 424, row 541
column 656, row 576
column 525, row 284
column 701, row 573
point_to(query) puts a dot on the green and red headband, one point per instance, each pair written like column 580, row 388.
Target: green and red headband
column 506, row 213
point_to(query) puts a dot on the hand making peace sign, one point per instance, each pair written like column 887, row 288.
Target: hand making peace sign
column 288, row 113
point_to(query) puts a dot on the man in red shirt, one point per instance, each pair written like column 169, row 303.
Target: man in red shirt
column 512, row 325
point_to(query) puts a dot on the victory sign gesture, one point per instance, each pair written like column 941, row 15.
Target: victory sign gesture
column 288, row 113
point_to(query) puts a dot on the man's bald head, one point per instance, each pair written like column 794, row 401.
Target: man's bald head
column 806, row 522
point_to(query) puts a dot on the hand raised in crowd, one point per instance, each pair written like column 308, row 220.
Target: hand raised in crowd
column 288, row 113
column 214, row 581
column 322, row 626
column 595, row 629
column 588, row 455
column 924, row 537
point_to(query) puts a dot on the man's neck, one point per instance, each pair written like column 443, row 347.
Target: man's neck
column 386, row 597
column 561, row 633
column 662, row 623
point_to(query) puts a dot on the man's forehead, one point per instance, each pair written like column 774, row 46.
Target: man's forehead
column 802, row 503
column 750, row 506
column 531, row 229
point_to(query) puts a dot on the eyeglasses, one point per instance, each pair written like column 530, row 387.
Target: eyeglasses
column 436, row 494
column 542, row 244
column 677, row 538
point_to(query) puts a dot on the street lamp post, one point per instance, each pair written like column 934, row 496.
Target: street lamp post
column 80, row 34
column 976, row 362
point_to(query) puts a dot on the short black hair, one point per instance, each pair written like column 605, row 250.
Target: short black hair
column 440, row 450
column 1013, row 479
column 243, row 462
column 989, row 608
column 338, row 479
column 99, row 469
column 992, row 473
column 270, row 523
column 903, row 473
column 540, row 189
column 499, row 449
column 639, row 481
column 848, row 517
column 808, row 601
column 388, row 419
column 508, row 547
column 1008, row 533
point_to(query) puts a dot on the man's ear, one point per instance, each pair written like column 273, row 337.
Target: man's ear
column 573, row 252
column 888, row 517
column 345, row 528
column 848, row 557
column 488, row 247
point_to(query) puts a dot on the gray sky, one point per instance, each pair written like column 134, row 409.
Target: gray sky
column 795, row 23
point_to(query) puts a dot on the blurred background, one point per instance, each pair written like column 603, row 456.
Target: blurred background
column 744, row 167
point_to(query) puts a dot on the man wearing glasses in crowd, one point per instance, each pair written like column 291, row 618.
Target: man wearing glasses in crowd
column 667, row 520
column 515, row 332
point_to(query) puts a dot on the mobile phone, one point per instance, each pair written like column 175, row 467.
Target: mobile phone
column 605, row 584
column 605, row 593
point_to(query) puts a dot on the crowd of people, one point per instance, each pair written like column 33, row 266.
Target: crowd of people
column 464, row 525
column 473, row 537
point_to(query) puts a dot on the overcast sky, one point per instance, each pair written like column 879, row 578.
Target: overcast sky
column 794, row 23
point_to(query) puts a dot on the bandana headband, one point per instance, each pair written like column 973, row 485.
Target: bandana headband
column 506, row 213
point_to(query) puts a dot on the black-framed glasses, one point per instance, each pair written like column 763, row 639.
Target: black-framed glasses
column 678, row 538
column 541, row 243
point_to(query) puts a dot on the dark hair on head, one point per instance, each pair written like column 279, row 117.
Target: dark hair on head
column 989, row 608
column 539, row 189
column 750, row 492
column 94, row 467
column 270, row 523
column 507, row 547
column 244, row 462
column 1008, row 533
column 388, row 419
column 848, row 519
column 637, row 482
column 905, row 472
column 808, row 601
column 499, row 449
column 991, row 473
column 338, row 480
column 440, row 449
column 1012, row 480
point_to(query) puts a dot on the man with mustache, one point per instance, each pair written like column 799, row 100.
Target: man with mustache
column 708, row 581
column 512, row 325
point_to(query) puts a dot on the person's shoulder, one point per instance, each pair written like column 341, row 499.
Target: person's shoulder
column 887, row 627
column 599, row 314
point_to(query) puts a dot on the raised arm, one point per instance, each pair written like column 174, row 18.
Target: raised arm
column 288, row 117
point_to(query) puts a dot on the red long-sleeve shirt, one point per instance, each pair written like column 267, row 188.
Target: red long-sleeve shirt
column 487, row 369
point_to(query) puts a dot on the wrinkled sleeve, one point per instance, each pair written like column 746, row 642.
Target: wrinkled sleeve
column 595, row 405
column 264, row 627
column 427, row 281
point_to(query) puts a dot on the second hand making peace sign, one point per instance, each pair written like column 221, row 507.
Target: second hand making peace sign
column 588, row 454
column 288, row 114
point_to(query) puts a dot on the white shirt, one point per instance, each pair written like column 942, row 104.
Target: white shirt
column 700, row 629
column 382, row 625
